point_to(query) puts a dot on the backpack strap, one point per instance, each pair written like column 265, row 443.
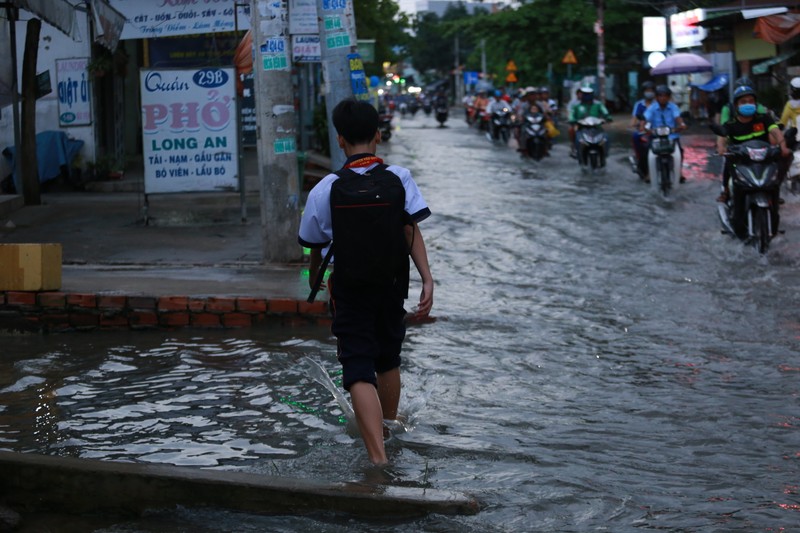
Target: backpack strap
column 320, row 275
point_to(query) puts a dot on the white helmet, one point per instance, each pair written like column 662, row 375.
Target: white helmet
column 795, row 83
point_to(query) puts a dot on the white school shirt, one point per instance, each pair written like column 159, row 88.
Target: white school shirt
column 316, row 229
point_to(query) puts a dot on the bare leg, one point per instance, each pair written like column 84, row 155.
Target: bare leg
column 389, row 392
column 367, row 407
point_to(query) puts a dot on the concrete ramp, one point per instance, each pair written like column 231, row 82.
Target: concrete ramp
column 31, row 482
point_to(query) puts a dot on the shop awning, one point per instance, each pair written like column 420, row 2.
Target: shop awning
column 730, row 17
column 58, row 13
column 777, row 29
column 108, row 24
column 761, row 68
column 714, row 84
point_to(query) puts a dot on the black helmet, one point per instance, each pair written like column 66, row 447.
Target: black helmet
column 648, row 85
column 663, row 89
column 743, row 90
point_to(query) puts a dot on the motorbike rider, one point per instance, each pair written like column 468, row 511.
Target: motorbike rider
column 748, row 124
column 479, row 107
column 791, row 111
column 663, row 112
column 587, row 106
column 532, row 106
column 728, row 111
column 544, row 96
column 542, row 101
column 495, row 102
column 639, row 138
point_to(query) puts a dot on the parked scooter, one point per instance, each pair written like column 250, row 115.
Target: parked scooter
column 535, row 135
column 592, row 142
column 751, row 213
column 500, row 125
column 663, row 160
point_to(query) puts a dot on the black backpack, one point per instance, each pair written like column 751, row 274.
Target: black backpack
column 368, row 219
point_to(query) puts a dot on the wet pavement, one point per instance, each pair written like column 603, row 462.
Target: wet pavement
column 193, row 244
column 602, row 360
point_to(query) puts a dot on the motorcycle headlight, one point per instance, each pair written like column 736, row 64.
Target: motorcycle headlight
column 663, row 131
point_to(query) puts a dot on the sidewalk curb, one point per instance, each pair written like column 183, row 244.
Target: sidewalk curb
column 53, row 311
column 38, row 483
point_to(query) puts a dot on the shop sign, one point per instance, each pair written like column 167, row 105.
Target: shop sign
column 189, row 130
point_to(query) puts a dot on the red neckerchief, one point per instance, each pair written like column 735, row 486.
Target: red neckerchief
column 365, row 160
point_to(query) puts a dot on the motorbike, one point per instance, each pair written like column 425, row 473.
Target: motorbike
column 663, row 160
column 427, row 107
column 793, row 142
column 441, row 113
column 536, row 138
column 751, row 212
column 385, row 126
column 413, row 107
column 500, row 124
column 591, row 140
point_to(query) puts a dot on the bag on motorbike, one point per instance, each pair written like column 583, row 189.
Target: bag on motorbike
column 552, row 131
column 368, row 219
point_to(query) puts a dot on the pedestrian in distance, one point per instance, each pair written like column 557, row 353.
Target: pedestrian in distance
column 367, row 214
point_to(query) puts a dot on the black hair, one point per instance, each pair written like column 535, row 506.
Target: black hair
column 355, row 120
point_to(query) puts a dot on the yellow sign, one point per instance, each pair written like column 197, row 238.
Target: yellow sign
column 569, row 58
column 511, row 78
column 511, row 66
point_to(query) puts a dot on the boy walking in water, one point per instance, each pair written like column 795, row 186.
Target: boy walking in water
column 370, row 278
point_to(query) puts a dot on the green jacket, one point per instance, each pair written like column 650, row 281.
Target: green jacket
column 595, row 109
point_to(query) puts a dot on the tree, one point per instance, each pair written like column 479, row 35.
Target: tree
column 540, row 32
column 382, row 20
column 432, row 48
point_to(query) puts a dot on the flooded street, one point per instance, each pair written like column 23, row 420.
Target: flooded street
column 601, row 361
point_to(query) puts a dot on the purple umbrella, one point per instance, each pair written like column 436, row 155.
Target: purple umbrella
column 681, row 64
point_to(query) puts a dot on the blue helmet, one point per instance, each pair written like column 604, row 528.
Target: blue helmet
column 743, row 90
column 498, row 93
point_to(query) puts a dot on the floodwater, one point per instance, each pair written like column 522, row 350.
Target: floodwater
column 601, row 361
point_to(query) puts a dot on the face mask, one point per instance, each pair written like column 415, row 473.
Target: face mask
column 587, row 98
column 747, row 110
column 649, row 95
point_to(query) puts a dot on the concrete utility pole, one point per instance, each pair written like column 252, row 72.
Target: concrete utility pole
column 337, row 36
column 601, row 52
column 277, row 131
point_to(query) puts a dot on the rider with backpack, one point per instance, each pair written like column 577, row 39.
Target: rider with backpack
column 367, row 214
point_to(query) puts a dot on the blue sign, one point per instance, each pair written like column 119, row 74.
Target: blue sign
column 358, row 78
column 470, row 78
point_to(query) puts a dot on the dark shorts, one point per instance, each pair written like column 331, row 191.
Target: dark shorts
column 370, row 328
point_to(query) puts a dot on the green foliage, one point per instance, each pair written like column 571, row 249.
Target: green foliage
column 433, row 45
column 381, row 20
column 536, row 34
